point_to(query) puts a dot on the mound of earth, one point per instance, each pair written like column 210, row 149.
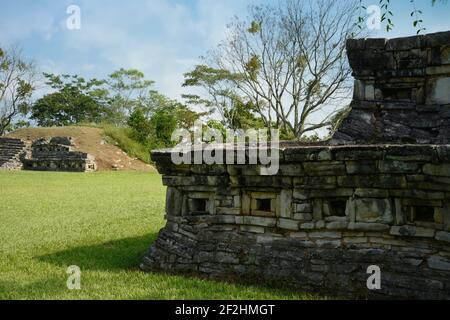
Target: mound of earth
column 89, row 140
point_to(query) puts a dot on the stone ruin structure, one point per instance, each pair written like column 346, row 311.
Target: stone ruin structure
column 377, row 194
column 55, row 154
column 11, row 153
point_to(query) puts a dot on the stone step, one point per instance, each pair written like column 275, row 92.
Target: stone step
column 10, row 145
column 11, row 148
column 10, row 140
column 10, row 153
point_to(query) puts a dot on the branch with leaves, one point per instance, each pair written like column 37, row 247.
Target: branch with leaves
column 387, row 16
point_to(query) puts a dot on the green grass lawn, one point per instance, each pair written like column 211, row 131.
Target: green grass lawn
column 101, row 222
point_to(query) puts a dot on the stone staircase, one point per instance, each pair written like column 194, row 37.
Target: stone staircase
column 11, row 153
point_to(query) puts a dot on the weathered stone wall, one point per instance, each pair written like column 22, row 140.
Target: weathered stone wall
column 401, row 91
column 329, row 214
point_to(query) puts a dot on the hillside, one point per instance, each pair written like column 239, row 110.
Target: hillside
column 90, row 140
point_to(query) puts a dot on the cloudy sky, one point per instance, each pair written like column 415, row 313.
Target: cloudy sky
column 163, row 38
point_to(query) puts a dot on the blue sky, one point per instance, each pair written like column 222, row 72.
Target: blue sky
column 163, row 38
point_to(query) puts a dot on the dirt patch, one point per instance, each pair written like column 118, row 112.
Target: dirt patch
column 90, row 140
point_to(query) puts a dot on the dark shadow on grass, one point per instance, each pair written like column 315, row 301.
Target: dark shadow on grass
column 117, row 255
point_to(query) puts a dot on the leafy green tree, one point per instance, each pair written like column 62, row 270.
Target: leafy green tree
column 128, row 90
column 17, row 77
column 140, row 125
column 76, row 100
column 163, row 124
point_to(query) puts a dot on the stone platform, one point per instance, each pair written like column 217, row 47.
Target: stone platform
column 376, row 194
column 55, row 154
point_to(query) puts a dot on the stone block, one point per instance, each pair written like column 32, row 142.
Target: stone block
column 400, row 214
column 437, row 170
column 391, row 166
column 372, row 181
column 439, row 92
column 350, row 210
column 443, row 236
column 174, row 200
column 304, row 207
column 224, row 219
column 371, row 193
column 257, row 221
column 299, row 235
column 355, row 240
column 237, row 202
column 446, row 216
column 307, row 226
column 319, row 182
column 417, row 194
column 288, row 224
column 374, row 210
column 360, row 153
column 331, row 193
column 228, row 211
column 252, row 229
column 293, row 170
column 300, row 194
column 318, row 209
column 333, row 244
column 324, row 168
column 307, row 154
column 285, row 203
column 227, row 258
column 303, row 216
column 439, row 263
column 208, row 169
column 337, row 225
column 320, row 224
column 412, row 231
column 411, row 153
column 376, row 227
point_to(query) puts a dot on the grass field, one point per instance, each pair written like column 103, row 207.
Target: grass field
column 101, row 222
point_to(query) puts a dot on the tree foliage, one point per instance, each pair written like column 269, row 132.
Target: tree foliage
column 17, row 77
column 75, row 100
column 286, row 64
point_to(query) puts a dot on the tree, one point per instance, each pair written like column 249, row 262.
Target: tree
column 155, row 120
column 287, row 62
column 164, row 124
column 130, row 90
column 17, row 78
column 76, row 100
column 140, row 125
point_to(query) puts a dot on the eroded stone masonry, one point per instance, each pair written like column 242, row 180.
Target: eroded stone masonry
column 377, row 194
column 55, row 154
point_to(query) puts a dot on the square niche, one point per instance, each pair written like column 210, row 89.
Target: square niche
column 199, row 204
column 261, row 204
